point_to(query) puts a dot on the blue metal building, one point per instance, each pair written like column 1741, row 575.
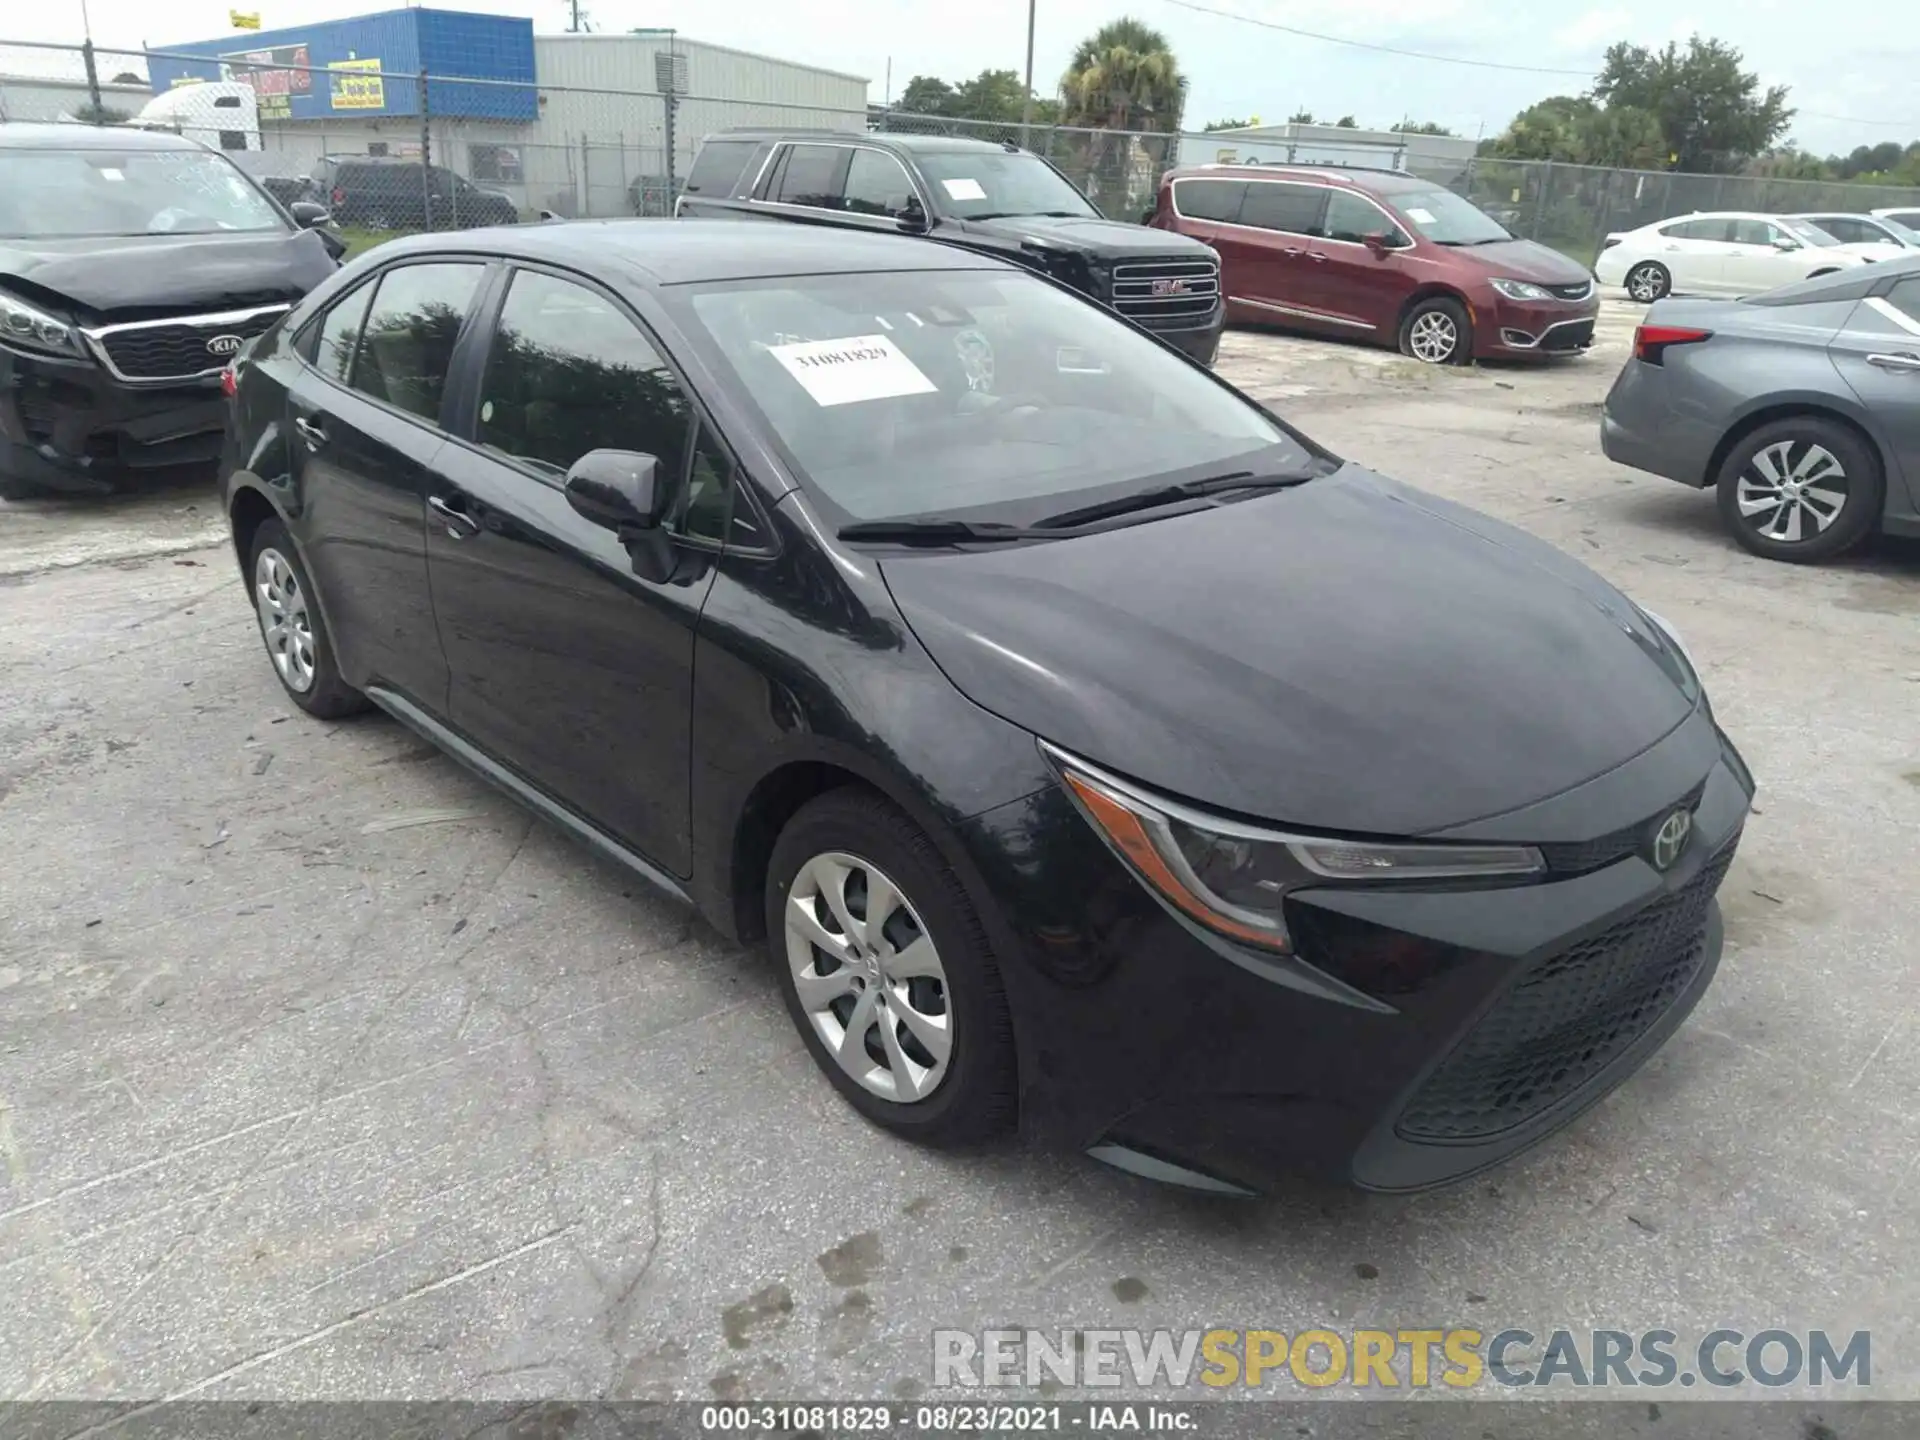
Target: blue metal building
column 368, row 66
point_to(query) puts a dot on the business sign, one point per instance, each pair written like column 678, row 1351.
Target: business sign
column 272, row 75
column 356, row 85
column 244, row 20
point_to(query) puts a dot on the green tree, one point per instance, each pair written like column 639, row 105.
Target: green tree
column 995, row 95
column 1347, row 122
column 92, row 114
column 927, row 95
column 1213, row 125
column 1124, row 77
column 1789, row 162
column 1300, row 117
column 1713, row 116
column 1421, row 127
column 1574, row 130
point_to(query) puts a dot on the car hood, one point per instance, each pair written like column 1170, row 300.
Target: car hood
column 1089, row 235
column 1349, row 655
column 1524, row 260
column 172, row 272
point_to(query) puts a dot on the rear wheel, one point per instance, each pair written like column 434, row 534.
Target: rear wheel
column 1648, row 281
column 887, row 971
column 1801, row 489
column 293, row 630
column 1438, row 332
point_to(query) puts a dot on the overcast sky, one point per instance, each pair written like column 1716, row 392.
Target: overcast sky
column 1853, row 79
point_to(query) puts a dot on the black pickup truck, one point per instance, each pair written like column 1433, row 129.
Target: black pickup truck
column 997, row 199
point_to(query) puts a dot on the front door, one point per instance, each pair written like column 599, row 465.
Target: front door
column 1358, row 286
column 566, row 665
column 366, row 414
column 1878, row 354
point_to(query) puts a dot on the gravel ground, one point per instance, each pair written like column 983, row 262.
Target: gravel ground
column 327, row 1073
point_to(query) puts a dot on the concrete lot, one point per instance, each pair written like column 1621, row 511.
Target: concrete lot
column 325, row 1072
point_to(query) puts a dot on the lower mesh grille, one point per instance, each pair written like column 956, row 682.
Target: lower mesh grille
column 1569, row 1018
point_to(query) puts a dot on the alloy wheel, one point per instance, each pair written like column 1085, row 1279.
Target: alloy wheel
column 1434, row 337
column 869, row 977
column 1644, row 284
column 284, row 620
column 1791, row 491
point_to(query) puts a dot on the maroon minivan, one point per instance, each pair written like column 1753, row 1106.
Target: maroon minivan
column 1379, row 255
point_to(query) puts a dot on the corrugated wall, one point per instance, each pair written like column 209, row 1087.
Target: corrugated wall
column 38, row 97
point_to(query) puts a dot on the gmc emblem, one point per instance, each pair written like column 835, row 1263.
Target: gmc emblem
column 1169, row 287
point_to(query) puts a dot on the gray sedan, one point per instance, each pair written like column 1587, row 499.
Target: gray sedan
column 1801, row 406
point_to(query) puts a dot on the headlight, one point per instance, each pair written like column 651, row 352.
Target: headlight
column 1233, row 878
column 1521, row 290
column 30, row 328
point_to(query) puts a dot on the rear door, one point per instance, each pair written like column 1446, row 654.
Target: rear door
column 366, row 414
column 1878, row 354
column 566, row 665
column 1272, row 246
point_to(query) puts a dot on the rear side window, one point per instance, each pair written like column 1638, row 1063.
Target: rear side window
column 1905, row 297
column 339, row 333
column 1295, row 209
column 813, row 176
column 1721, row 230
column 1216, row 200
column 407, row 345
column 1753, row 232
column 718, row 166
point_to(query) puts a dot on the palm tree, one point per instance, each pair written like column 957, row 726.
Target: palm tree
column 1123, row 77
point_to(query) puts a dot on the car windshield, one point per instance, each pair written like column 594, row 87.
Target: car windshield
column 982, row 395
column 1807, row 232
column 982, row 184
column 1905, row 234
column 69, row 194
column 1446, row 219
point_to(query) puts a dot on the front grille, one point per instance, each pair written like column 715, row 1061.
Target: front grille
column 1568, row 1018
column 1568, row 337
column 1578, row 291
column 1167, row 293
column 1577, row 857
column 177, row 350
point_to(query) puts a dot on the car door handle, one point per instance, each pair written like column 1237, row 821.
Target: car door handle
column 1292, row 252
column 311, row 431
column 1316, row 257
column 1905, row 363
column 460, row 525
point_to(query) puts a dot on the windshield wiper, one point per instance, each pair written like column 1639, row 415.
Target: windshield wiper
column 1174, row 494
column 938, row 532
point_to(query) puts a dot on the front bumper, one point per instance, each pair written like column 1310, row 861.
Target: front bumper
column 1199, row 342
column 1490, row 1018
column 69, row 425
column 1535, row 327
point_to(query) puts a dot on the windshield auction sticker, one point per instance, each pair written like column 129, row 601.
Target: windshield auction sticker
column 861, row 367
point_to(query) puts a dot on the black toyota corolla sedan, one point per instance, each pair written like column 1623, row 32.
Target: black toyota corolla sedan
column 1088, row 747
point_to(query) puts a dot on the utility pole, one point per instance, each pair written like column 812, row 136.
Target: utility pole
column 1026, row 102
column 93, row 72
column 579, row 19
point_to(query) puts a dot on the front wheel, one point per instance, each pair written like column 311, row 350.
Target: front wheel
column 1801, row 489
column 1648, row 281
column 887, row 971
column 1437, row 332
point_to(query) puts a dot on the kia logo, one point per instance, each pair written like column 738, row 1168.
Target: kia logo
column 224, row 345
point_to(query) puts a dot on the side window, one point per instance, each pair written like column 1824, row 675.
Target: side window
column 1352, row 219
column 1848, row 232
column 1215, row 200
column 812, row 176
column 1905, row 297
column 877, row 185
column 1720, row 230
column 709, row 508
column 410, row 333
column 1295, row 209
column 718, row 166
column 569, row 372
column 1754, row 232
column 339, row 333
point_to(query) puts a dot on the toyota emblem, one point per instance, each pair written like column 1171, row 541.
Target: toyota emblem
column 1671, row 838
column 225, row 346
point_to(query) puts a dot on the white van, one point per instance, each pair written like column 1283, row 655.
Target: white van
column 221, row 114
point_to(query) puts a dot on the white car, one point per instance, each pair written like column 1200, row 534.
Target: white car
column 1907, row 215
column 1722, row 253
column 1872, row 235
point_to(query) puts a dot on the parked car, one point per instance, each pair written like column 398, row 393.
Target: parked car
column 1379, row 255
column 1906, row 215
column 868, row 595
column 1889, row 236
column 378, row 192
column 1800, row 407
column 1727, row 253
column 133, row 265
column 993, row 199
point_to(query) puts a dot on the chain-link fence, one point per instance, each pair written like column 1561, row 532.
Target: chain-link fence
column 386, row 150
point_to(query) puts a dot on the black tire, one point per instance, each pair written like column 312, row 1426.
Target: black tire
column 1655, row 282
column 325, row 696
column 1431, row 321
column 975, row 1097
column 1861, row 488
column 14, row 488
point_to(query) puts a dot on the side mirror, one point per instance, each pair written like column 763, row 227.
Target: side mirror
column 912, row 219
column 1379, row 242
column 309, row 215
column 1786, row 242
column 618, row 490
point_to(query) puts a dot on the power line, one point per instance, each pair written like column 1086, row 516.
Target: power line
column 1370, row 45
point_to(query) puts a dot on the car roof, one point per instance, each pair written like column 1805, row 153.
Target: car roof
column 678, row 252
column 71, row 135
column 917, row 143
column 1355, row 177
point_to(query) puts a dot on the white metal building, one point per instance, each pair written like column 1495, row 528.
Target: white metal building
column 51, row 97
column 1303, row 144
